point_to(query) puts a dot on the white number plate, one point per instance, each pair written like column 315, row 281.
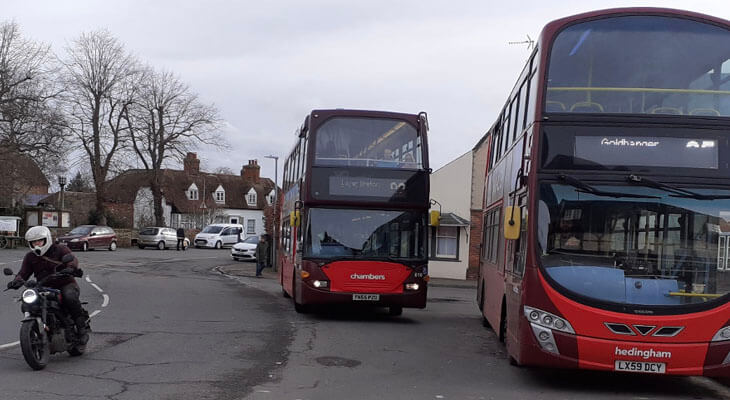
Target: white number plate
column 365, row 297
column 641, row 366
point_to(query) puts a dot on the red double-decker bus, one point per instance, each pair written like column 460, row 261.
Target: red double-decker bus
column 607, row 201
column 356, row 198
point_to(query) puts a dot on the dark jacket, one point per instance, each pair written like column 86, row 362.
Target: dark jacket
column 262, row 252
column 41, row 268
column 180, row 233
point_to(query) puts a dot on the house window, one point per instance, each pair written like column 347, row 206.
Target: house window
column 251, row 227
column 251, row 199
column 193, row 194
column 220, row 197
column 270, row 198
column 445, row 242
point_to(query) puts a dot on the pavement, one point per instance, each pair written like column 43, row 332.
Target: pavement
column 248, row 269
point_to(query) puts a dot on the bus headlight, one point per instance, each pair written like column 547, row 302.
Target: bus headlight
column 412, row 286
column 722, row 335
column 547, row 320
column 320, row 284
column 30, row 296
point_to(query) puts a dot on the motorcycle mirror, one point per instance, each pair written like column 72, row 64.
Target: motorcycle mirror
column 7, row 271
column 67, row 258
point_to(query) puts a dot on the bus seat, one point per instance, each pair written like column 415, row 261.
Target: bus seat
column 666, row 110
column 554, row 106
column 705, row 111
column 586, row 107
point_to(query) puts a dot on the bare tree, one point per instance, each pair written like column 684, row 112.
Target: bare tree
column 101, row 77
column 31, row 123
column 223, row 171
column 166, row 122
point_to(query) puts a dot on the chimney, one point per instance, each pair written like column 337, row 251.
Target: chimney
column 191, row 164
column 251, row 172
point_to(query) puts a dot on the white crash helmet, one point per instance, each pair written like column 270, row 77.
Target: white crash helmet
column 39, row 233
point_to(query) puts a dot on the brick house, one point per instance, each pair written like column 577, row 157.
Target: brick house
column 22, row 181
column 193, row 198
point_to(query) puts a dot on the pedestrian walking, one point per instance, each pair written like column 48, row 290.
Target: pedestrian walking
column 181, row 239
column 262, row 255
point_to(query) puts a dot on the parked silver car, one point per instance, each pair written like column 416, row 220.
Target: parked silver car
column 159, row 237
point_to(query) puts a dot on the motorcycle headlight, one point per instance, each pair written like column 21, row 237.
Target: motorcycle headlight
column 30, row 296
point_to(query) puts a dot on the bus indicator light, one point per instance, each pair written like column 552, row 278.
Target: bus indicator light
column 304, row 274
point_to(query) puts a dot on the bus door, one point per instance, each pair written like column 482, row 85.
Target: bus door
column 516, row 255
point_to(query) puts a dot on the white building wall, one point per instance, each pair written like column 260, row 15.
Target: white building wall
column 243, row 216
column 451, row 186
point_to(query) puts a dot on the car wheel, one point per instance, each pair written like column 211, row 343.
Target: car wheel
column 112, row 246
column 218, row 245
column 161, row 245
column 140, row 246
column 85, row 246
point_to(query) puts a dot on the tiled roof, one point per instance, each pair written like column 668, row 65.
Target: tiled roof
column 175, row 184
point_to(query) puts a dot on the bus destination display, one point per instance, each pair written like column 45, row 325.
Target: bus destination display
column 647, row 151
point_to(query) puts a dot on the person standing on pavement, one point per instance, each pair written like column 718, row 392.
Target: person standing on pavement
column 180, row 239
column 262, row 255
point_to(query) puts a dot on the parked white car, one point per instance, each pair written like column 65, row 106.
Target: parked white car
column 245, row 250
column 219, row 236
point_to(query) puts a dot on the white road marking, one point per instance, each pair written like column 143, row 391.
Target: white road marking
column 97, row 287
column 94, row 314
column 9, row 345
column 106, row 301
column 88, row 279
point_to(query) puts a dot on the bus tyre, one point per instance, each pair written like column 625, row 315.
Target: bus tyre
column 513, row 362
column 503, row 323
column 284, row 293
column 300, row 308
column 395, row 311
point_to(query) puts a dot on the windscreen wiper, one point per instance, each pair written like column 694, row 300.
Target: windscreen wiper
column 584, row 187
column 676, row 191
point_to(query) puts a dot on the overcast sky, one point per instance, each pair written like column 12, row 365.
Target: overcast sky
column 265, row 65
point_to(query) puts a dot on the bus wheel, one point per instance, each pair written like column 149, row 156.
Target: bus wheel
column 284, row 293
column 298, row 307
column 513, row 362
column 395, row 311
column 485, row 321
column 503, row 323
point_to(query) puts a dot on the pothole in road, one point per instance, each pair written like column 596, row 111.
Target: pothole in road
column 331, row 361
column 444, row 300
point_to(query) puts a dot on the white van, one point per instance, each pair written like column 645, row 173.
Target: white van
column 219, row 235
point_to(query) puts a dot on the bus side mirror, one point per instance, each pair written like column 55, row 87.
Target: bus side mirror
column 294, row 218
column 512, row 222
column 435, row 216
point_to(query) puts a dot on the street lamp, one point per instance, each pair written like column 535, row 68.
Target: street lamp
column 62, row 183
column 276, row 210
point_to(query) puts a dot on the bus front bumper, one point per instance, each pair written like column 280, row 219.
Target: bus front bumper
column 574, row 351
column 307, row 294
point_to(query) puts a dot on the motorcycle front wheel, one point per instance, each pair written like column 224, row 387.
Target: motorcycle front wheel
column 35, row 350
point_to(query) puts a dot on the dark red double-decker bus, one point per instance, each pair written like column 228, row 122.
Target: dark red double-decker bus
column 616, row 143
column 356, row 197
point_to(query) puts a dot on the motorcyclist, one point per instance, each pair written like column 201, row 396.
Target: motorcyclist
column 43, row 260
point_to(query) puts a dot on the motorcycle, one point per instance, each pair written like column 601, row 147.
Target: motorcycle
column 46, row 327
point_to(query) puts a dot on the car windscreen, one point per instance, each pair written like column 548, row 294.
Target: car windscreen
column 81, row 230
column 148, row 231
column 252, row 240
column 212, row 229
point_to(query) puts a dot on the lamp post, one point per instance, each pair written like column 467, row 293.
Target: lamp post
column 276, row 210
column 61, row 183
